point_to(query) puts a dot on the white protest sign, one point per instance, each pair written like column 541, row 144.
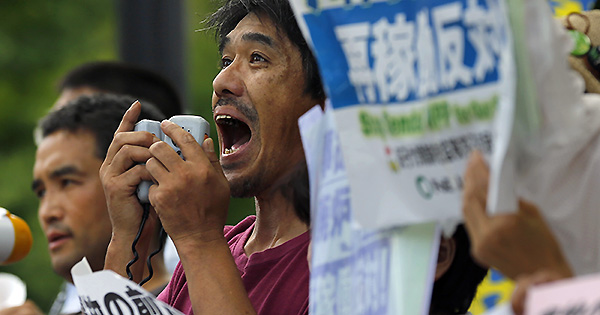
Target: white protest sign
column 105, row 292
column 557, row 165
column 355, row 270
column 579, row 296
column 416, row 85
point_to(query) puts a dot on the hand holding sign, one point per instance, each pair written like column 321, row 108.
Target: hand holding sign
column 515, row 243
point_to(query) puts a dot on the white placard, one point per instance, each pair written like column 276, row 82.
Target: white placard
column 105, row 292
column 571, row 296
column 356, row 270
column 416, row 86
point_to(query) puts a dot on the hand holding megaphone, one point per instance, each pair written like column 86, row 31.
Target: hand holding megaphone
column 15, row 238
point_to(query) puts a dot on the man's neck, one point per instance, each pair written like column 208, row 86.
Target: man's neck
column 276, row 223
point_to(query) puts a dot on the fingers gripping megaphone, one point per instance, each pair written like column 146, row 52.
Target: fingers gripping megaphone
column 15, row 238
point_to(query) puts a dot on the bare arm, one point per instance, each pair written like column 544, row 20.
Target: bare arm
column 120, row 174
column 214, row 281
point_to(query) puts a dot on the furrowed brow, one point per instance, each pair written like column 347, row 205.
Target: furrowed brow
column 260, row 38
column 65, row 170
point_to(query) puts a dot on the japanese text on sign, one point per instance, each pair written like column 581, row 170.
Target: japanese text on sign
column 399, row 60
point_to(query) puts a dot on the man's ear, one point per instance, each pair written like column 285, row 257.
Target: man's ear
column 445, row 256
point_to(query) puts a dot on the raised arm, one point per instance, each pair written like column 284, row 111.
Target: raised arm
column 191, row 199
column 120, row 175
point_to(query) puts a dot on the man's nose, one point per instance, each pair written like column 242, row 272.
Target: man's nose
column 50, row 209
column 229, row 82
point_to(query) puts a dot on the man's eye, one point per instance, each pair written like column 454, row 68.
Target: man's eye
column 257, row 58
column 225, row 62
column 40, row 193
column 66, row 182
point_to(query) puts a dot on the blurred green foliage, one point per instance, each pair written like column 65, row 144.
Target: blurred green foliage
column 39, row 42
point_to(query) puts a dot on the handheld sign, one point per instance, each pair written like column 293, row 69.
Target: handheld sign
column 356, row 270
column 416, row 85
column 105, row 292
column 579, row 295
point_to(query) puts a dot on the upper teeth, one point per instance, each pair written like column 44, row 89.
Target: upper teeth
column 227, row 120
column 223, row 117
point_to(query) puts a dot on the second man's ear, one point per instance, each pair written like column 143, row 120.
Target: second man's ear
column 445, row 256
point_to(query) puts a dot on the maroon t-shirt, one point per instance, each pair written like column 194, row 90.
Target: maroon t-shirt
column 276, row 279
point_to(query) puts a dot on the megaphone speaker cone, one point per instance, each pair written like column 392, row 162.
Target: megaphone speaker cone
column 23, row 239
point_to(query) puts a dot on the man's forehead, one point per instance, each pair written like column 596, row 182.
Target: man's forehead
column 58, row 147
column 252, row 37
column 66, row 137
column 255, row 28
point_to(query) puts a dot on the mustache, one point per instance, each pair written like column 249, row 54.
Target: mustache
column 248, row 111
column 58, row 226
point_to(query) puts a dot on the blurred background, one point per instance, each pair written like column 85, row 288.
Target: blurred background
column 41, row 40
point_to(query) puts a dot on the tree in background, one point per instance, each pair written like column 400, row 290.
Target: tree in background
column 39, row 42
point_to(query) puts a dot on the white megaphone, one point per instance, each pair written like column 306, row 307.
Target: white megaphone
column 15, row 238
column 13, row 291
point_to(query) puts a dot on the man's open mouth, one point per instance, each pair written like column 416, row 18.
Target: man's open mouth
column 234, row 133
column 57, row 238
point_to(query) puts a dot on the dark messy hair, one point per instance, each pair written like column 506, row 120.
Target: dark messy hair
column 226, row 18
column 127, row 79
column 99, row 114
column 454, row 291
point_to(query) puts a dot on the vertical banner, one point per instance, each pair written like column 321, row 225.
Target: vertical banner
column 356, row 270
column 416, row 86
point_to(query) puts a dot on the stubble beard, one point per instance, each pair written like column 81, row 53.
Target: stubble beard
column 295, row 189
column 246, row 187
